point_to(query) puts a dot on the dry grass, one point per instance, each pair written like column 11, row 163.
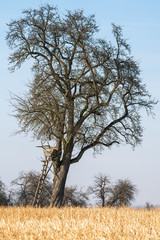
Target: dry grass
column 79, row 223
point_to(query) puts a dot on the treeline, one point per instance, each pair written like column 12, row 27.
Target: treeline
column 23, row 188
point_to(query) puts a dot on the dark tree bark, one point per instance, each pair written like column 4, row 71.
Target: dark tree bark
column 61, row 169
column 59, row 186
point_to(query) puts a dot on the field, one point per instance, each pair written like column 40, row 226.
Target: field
column 79, row 223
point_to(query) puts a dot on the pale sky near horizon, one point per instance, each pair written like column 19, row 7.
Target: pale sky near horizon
column 140, row 20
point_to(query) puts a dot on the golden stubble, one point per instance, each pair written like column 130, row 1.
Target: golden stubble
column 68, row 223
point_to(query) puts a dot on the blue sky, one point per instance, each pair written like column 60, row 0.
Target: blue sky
column 140, row 20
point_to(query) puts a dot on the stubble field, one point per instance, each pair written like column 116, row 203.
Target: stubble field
column 19, row 223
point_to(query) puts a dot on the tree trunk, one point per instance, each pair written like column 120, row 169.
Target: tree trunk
column 59, row 185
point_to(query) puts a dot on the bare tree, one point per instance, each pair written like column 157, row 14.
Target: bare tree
column 122, row 194
column 101, row 189
column 148, row 205
column 75, row 197
column 85, row 92
column 25, row 187
column 4, row 200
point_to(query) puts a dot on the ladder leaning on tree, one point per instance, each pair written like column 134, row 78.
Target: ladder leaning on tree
column 48, row 153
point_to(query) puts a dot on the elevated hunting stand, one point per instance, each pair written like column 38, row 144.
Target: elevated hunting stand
column 49, row 154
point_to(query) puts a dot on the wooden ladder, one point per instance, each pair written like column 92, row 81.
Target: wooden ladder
column 39, row 188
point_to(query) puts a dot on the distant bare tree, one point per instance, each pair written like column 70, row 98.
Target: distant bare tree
column 25, row 186
column 101, row 189
column 85, row 92
column 75, row 197
column 148, row 205
column 4, row 200
column 122, row 193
